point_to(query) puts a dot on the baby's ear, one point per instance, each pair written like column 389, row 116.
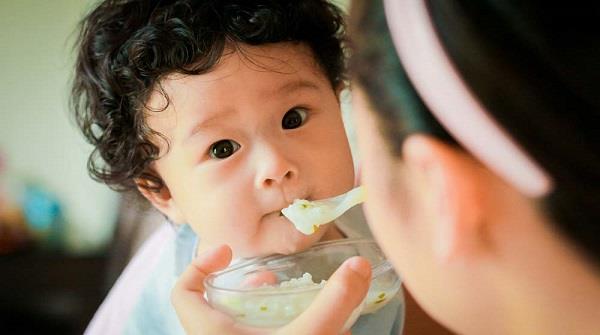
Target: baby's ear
column 161, row 200
column 456, row 193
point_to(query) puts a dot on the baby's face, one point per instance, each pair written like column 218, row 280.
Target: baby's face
column 246, row 140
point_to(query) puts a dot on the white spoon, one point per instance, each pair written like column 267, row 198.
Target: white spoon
column 307, row 216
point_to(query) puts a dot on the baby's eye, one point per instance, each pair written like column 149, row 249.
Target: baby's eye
column 294, row 118
column 223, row 149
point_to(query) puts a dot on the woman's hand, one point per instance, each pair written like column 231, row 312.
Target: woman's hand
column 326, row 315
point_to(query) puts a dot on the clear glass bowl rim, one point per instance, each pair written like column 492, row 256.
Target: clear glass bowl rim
column 376, row 269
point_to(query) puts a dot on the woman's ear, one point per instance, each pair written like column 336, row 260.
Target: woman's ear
column 161, row 200
column 456, row 194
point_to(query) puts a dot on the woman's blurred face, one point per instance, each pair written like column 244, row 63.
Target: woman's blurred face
column 376, row 166
column 402, row 218
column 392, row 207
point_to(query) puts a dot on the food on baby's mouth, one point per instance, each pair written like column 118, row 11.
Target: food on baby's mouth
column 307, row 215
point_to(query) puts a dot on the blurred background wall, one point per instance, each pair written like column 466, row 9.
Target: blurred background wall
column 39, row 145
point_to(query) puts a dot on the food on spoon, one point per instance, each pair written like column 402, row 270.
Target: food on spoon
column 307, row 215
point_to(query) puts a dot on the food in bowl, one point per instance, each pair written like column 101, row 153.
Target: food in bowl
column 274, row 290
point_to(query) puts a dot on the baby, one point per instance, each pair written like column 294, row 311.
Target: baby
column 221, row 114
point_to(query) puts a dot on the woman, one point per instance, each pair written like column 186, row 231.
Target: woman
column 481, row 158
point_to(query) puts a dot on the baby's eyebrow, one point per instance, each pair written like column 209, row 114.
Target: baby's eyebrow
column 296, row 85
column 207, row 122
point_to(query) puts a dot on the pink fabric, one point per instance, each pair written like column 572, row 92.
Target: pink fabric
column 450, row 100
column 113, row 314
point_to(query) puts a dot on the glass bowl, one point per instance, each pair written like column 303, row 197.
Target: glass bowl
column 272, row 291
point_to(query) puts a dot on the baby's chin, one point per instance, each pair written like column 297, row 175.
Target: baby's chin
column 284, row 243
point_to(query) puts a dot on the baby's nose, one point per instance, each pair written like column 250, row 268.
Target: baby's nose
column 274, row 168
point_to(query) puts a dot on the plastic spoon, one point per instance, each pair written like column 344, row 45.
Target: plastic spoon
column 307, row 216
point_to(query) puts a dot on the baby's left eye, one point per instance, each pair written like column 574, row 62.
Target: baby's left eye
column 294, row 118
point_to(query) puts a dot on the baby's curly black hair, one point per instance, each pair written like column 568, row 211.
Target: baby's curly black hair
column 125, row 47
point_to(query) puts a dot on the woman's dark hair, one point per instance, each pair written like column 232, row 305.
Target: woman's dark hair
column 534, row 65
column 126, row 47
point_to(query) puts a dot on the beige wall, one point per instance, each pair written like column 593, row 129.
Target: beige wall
column 36, row 135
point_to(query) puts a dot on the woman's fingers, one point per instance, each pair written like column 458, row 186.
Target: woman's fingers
column 210, row 261
column 328, row 313
column 259, row 279
column 344, row 291
column 187, row 296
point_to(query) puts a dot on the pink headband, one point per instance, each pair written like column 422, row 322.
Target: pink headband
column 449, row 99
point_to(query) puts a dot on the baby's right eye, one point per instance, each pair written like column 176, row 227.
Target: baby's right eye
column 223, row 149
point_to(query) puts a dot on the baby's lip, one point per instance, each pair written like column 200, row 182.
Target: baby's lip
column 278, row 212
column 298, row 198
column 273, row 214
column 289, row 198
